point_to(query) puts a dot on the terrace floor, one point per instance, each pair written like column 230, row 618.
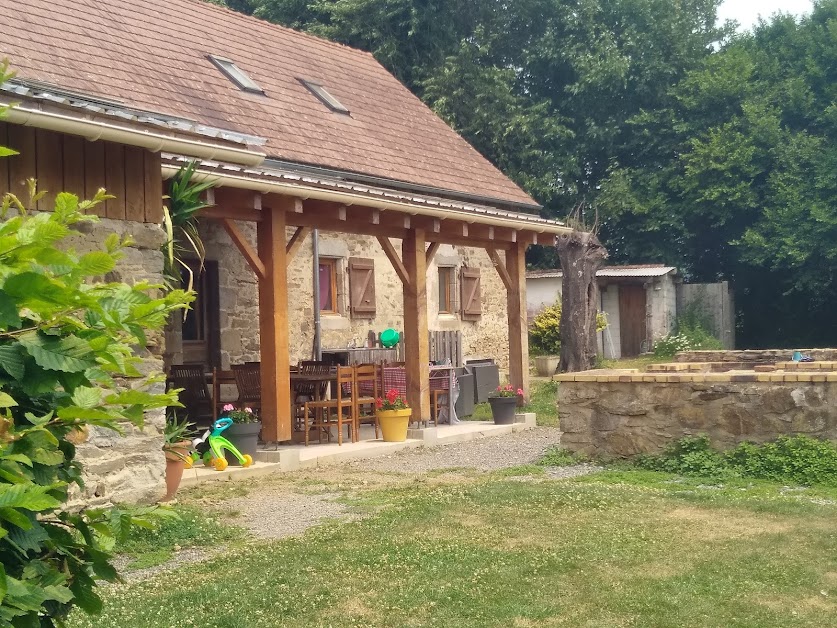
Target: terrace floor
column 288, row 458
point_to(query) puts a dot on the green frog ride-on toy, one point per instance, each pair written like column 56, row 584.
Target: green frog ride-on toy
column 214, row 456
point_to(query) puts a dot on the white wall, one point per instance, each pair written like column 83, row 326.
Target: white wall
column 541, row 291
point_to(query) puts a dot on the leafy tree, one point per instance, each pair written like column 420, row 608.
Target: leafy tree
column 67, row 364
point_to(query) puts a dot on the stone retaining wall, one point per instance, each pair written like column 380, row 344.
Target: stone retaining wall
column 621, row 415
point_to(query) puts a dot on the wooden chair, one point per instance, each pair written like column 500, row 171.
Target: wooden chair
column 195, row 395
column 368, row 389
column 341, row 405
column 248, row 380
column 308, row 391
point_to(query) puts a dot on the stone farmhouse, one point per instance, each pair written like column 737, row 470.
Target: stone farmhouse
column 417, row 231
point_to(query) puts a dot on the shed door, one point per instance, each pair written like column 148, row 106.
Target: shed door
column 632, row 319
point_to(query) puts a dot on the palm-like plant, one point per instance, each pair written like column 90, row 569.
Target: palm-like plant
column 181, row 224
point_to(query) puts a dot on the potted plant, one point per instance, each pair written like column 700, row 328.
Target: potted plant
column 393, row 416
column 244, row 432
column 177, row 441
column 504, row 404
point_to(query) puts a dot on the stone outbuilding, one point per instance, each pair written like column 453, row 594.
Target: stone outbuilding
column 641, row 303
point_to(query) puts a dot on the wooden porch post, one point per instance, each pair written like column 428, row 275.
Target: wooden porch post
column 416, row 336
column 516, row 304
column 273, row 326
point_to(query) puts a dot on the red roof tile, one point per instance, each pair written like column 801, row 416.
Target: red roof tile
column 152, row 54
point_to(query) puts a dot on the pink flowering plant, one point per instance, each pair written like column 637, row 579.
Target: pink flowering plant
column 240, row 415
column 392, row 401
column 507, row 391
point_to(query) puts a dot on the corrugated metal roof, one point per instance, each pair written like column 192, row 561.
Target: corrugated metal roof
column 637, row 270
column 304, row 178
column 112, row 109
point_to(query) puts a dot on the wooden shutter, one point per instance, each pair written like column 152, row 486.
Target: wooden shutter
column 362, row 287
column 471, row 301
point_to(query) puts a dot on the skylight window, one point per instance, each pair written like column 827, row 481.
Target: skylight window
column 327, row 99
column 236, row 75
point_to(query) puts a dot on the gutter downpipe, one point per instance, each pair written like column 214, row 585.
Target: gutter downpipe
column 315, row 242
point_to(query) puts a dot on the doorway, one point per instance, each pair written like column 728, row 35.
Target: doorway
column 632, row 319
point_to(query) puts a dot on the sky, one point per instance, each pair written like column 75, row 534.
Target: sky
column 746, row 12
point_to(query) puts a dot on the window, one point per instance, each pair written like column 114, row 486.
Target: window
column 446, row 290
column 236, row 75
column 327, row 99
column 328, row 286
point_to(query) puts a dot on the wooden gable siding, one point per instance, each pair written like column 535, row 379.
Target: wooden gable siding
column 67, row 163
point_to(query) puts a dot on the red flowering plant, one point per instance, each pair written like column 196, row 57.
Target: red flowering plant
column 392, row 401
column 506, row 391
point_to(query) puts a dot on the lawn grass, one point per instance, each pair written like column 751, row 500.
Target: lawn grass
column 543, row 401
column 192, row 528
column 619, row 548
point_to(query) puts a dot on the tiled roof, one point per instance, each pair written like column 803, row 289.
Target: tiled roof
column 152, row 55
column 633, row 270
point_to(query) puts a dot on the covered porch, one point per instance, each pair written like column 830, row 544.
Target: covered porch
column 410, row 228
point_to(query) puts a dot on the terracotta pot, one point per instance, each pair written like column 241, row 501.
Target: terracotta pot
column 394, row 424
column 175, row 463
column 503, row 409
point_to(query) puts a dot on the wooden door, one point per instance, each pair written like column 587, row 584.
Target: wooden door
column 632, row 321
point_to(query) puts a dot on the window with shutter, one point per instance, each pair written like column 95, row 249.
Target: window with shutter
column 362, row 287
column 471, row 302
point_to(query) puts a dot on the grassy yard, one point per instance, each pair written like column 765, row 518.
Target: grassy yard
column 618, row 548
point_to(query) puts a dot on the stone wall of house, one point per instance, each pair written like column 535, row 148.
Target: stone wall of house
column 239, row 297
column 130, row 467
column 624, row 418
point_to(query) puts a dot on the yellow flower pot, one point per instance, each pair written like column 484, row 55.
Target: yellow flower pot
column 394, row 424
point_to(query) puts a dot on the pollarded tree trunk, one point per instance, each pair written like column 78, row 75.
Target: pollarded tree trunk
column 581, row 255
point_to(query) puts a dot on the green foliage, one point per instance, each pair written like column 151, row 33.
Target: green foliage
column 555, row 456
column 693, row 325
column 191, row 527
column 180, row 221
column 66, row 356
column 792, row 459
column 544, row 330
column 688, row 456
column 797, row 460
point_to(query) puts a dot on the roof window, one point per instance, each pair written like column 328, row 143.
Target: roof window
column 327, row 99
column 236, row 75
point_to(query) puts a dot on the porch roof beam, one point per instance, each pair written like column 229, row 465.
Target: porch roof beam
column 500, row 265
column 237, row 204
column 244, row 246
column 296, row 241
column 431, row 252
column 395, row 260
